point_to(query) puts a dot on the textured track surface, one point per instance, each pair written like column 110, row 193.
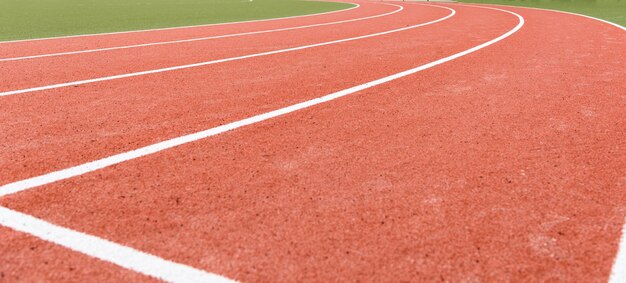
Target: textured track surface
column 505, row 164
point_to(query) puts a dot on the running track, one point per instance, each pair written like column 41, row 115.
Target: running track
column 504, row 164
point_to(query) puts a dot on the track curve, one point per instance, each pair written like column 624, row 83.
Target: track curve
column 502, row 165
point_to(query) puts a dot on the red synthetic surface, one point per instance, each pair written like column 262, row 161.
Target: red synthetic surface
column 505, row 164
column 45, row 71
column 142, row 110
column 27, row 48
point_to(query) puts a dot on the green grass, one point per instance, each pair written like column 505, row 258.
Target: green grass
column 26, row 19
column 610, row 10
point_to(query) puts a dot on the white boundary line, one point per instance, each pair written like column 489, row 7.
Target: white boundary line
column 140, row 261
column 105, row 250
column 184, row 27
column 199, row 38
column 557, row 11
column 180, row 67
column 618, row 272
column 78, row 170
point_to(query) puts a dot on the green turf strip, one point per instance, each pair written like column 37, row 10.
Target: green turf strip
column 26, row 19
column 610, row 10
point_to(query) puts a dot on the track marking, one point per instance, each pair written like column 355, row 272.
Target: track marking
column 618, row 272
column 563, row 12
column 400, row 8
column 78, row 170
column 183, row 27
column 102, row 249
column 168, row 69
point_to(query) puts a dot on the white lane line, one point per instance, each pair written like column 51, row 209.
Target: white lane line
column 183, row 27
column 399, row 8
column 180, row 67
column 618, row 272
column 102, row 249
column 78, row 170
column 564, row 12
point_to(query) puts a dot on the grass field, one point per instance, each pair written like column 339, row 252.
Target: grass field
column 610, row 10
column 26, row 19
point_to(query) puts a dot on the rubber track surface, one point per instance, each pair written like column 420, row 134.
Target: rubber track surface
column 45, row 71
column 504, row 165
column 134, row 111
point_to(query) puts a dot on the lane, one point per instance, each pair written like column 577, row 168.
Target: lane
column 52, row 130
column 28, row 259
column 64, row 44
column 204, row 38
column 54, row 70
column 226, row 221
column 500, row 166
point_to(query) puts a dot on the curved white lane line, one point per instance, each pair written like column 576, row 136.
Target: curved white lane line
column 168, row 69
column 154, row 148
column 106, row 250
column 563, row 12
column 183, row 27
column 137, row 260
column 618, row 272
column 201, row 38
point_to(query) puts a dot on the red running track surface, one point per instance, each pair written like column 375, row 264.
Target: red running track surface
column 503, row 165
